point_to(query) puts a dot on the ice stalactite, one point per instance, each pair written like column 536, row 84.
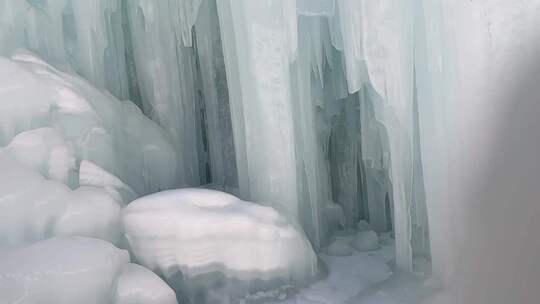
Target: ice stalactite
column 259, row 45
column 81, row 35
column 375, row 39
column 166, row 77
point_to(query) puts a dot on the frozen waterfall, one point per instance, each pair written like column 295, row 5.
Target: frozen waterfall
column 306, row 135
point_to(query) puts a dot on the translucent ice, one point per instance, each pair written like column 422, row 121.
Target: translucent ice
column 200, row 233
column 66, row 120
column 71, row 155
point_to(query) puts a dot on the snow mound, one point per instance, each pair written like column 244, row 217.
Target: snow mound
column 366, row 241
column 77, row 270
column 201, row 234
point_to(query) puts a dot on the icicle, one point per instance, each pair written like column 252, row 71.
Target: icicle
column 165, row 71
column 183, row 15
column 86, row 36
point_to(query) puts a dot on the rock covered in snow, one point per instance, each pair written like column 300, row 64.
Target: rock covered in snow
column 77, row 270
column 202, row 232
column 366, row 241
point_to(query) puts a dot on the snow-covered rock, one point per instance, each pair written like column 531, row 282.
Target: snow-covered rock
column 206, row 235
column 77, row 270
column 366, row 241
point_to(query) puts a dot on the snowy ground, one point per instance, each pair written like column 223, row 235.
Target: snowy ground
column 361, row 278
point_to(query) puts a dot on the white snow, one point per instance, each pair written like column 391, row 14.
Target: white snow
column 77, row 270
column 362, row 278
column 201, row 231
column 348, row 276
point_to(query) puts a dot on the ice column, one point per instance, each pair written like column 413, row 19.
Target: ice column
column 259, row 41
column 166, row 71
column 380, row 33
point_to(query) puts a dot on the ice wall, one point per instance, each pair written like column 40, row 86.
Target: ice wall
column 86, row 36
column 305, row 105
column 166, row 76
column 257, row 35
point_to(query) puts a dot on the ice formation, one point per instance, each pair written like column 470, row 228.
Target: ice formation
column 66, row 153
column 309, row 123
column 35, row 208
column 344, row 115
column 79, row 123
column 78, row 270
column 208, row 236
